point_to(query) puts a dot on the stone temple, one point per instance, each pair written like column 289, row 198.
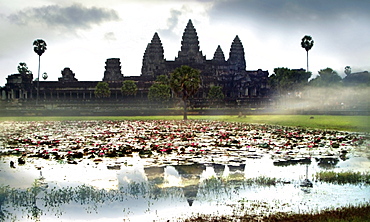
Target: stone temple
column 238, row 84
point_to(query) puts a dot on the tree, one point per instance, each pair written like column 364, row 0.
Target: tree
column 307, row 44
column 160, row 91
column 326, row 77
column 162, row 79
column 23, row 69
column 285, row 80
column 39, row 46
column 185, row 82
column 215, row 94
column 129, row 88
column 102, row 90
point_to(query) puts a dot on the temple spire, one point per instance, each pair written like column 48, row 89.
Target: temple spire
column 112, row 71
column 219, row 55
column 190, row 46
column 236, row 56
column 153, row 58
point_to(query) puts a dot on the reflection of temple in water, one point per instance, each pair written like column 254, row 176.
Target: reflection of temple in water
column 235, row 168
column 190, row 175
column 218, row 168
column 155, row 175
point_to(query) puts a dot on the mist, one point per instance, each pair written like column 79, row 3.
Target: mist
column 324, row 99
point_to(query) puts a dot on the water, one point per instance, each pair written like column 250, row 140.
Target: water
column 205, row 179
column 137, row 193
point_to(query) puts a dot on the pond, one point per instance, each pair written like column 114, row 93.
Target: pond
column 166, row 170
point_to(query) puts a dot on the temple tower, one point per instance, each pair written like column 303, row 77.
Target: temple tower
column 190, row 47
column 112, row 71
column 67, row 76
column 236, row 56
column 153, row 59
column 219, row 55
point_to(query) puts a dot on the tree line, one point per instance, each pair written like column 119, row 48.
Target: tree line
column 184, row 81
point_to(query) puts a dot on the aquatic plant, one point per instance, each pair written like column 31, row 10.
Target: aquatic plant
column 354, row 213
column 348, row 177
column 262, row 181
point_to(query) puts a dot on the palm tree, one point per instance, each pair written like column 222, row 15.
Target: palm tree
column 307, row 43
column 39, row 46
column 185, row 82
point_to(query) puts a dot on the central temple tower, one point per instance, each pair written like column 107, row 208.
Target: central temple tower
column 190, row 47
column 230, row 74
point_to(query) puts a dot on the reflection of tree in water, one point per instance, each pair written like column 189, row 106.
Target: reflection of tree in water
column 4, row 214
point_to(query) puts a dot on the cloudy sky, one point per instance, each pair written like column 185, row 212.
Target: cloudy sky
column 83, row 34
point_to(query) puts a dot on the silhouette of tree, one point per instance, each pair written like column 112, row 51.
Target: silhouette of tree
column 129, row 88
column 326, row 77
column 160, row 91
column 102, row 90
column 285, row 80
column 185, row 82
column 23, row 69
column 215, row 94
column 39, row 46
column 307, row 44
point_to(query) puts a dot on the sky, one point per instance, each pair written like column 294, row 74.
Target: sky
column 83, row 34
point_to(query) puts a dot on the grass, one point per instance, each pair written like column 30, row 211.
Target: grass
column 348, row 177
column 324, row 122
column 349, row 213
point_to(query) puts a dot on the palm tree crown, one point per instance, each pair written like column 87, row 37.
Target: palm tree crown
column 185, row 82
column 307, row 42
column 39, row 46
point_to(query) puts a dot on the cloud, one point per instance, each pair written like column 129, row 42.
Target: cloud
column 337, row 26
column 110, row 36
column 172, row 23
column 298, row 13
column 75, row 16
